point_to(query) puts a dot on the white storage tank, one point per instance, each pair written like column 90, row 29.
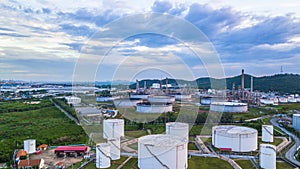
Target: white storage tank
column 267, row 156
column 182, row 96
column 236, row 138
column 103, row 155
column 267, row 133
column 115, row 148
column 178, row 129
column 161, row 99
column 30, row 146
column 153, row 108
column 296, row 121
column 228, row 107
column 113, row 128
column 162, row 151
column 139, row 96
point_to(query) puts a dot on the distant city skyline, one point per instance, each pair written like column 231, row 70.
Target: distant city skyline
column 41, row 41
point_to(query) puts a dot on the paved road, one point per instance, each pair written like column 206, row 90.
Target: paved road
column 66, row 113
column 290, row 153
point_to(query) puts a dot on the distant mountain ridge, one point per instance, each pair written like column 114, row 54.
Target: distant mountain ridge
column 282, row 83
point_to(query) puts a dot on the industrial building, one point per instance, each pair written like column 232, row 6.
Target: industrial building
column 73, row 100
column 234, row 138
column 71, row 149
column 296, row 121
column 228, row 107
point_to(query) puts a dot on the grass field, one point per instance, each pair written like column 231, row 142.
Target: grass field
column 247, row 164
column 45, row 124
column 208, row 163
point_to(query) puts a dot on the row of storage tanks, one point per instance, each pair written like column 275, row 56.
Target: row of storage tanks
column 244, row 139
column 170, row 150
column 113, row 130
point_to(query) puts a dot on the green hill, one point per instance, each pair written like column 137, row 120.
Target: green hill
column 282, row 83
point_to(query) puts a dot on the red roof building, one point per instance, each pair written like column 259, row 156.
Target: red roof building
column 71, row 149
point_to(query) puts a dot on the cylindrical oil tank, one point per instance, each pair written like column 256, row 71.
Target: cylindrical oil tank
column 115, row 148
column 267, row 133
column 296, row 121
column 162, row 151
column 267, row 156
column 113, row 128
column 236, row 138
column 205, row 100
column 161, row 99
column 103, row 155
column 182, row 96
column 228, row 107
column 153, row 108
column 178, row 129
column 30, row 146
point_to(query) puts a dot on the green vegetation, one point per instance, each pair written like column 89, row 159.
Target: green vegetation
column 289, row 83
column 47, row 125
column 63, row 104
column 248, row 164
column 131, row 164
column 192, row 146
column 208, row 163
column 19, row 106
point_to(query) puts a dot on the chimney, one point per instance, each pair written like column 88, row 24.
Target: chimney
column 243, row 80
column 145, row 85
column 137, row 85
column 167, row 92
column 251, row 89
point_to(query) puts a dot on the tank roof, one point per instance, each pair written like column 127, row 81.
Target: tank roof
column 177, row 124
column 229, row 103
column 162, row 140
column 231, row 129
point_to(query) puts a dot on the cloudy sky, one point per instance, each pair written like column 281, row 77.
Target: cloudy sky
column 53, row 40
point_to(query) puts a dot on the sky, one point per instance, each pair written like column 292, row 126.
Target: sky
column 53, row 40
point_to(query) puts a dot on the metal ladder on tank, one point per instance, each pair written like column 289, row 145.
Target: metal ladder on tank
column 164, row 165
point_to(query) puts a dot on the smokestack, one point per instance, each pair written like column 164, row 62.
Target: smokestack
column 251, row 89
column 167, row 92
column 145, row 85
column 137, row 86
column 233, row 89
column 243, row 79
column 160, row 84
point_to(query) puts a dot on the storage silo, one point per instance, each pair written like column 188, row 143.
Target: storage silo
column 228, row 107
column 103, row 155
column 161, row 99
column 236, row 138
column 267, row 157
column 296, row 121
column 178, row 129
column 153, row 108
column 30, row 146
column 113, row 128
column 162, row 151
column 115, row 148
column 267, row 133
